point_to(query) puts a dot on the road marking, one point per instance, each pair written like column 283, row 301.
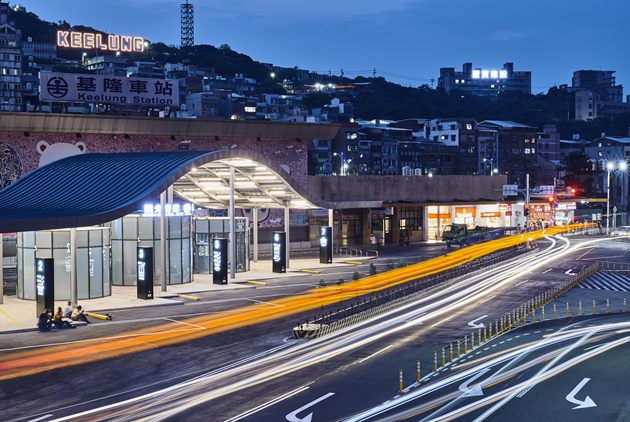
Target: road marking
column 376, row 353
column 491, row 297
column 292, row 417
column 268, row 404
column 569, row 272
column 8, row 316
column 580, row 257
column 581, row 404
column 185, row 323
column 41, row 418
column 473, row 323
column 266, row 303
column 475, row 390
column 524, row 281
column 444, row 320
column 546, row 271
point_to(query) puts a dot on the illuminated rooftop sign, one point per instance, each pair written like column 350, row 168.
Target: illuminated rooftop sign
column 90, row 40
column 489, row 74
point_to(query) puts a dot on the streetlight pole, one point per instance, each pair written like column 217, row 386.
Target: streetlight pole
column 609, row 168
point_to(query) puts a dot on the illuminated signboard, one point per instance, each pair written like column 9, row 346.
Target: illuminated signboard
column 90, row 40
column 44, row 285
column 489, row 74
column 107, row 89
column 325, row 245
column 144, row 282
column 279, row 252
column 219, row 261
column 174, row 210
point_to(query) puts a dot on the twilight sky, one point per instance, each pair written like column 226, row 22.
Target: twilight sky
column 407, row 41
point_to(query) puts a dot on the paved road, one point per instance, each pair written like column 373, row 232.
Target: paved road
column 259, row 370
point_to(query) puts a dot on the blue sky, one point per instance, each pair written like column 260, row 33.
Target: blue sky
column 409, row 38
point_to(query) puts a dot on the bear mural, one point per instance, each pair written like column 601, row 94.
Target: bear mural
column 53, row 152
column 10, row 165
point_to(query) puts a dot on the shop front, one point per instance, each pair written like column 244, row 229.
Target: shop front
column 438, row 217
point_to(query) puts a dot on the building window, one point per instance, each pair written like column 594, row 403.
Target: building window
column 527, row 151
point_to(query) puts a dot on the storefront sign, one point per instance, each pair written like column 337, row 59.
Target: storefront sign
column 108, row 42
column 490, row 214
column 219, row 261
column 174, row 210
column 565, row 206
column 279, row 252
column 505, row 207
column 144, row 282
column 325, row 245
column 44, row 285
column 107, row 89
column 465, row 212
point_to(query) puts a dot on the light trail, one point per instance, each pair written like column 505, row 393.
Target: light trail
column 165, row 403
column 34, row 361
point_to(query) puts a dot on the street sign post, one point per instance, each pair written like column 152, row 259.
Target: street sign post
column 325, row 245
column 44, row 285
column 220, row 261
column 279, row 252
column 144, row 282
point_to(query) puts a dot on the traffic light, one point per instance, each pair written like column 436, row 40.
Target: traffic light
column 571, row 191
column 552, row 200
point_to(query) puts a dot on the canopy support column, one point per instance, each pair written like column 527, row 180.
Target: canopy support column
column 1, row 270
column 255, row 229
column 232, row 240
column 73, row 267
column 287, row 225
column 163, row 240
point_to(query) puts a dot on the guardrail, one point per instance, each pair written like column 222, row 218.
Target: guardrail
column 394, row 297
column 613, row 267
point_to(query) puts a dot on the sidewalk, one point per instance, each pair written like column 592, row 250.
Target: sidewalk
column 19, row 315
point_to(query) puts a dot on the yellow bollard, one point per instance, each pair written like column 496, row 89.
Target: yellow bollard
column 435, row 362
column 472, row 341
column 594, row 311
column 555, row 311
column 450, row 357
column 418, row 371
column 443, row 357
column 490, row 330
column 485, row 333
column 400, row 381
column 509, row 321
column 580, row 308
column 567, row 310
column 458, row 349
column 625, row 305
column 533, row 316
column 607, row 306
column 465, row 344
column 543, row 313
column 496, row 327
column 479, row 338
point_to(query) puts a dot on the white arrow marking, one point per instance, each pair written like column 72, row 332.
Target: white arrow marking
column 473, row 323
column 292, row 417
column 581, row 404
column 476, row 390
column 569, row 272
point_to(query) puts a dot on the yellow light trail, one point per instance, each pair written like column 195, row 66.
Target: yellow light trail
column 34, row 361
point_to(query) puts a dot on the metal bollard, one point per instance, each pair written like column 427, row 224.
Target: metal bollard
column 479, row 338
column 543, row 313
column 400, row 381
column 594, row 310
column 607, row 306
column 625, row 305
column 555, row 312
column 458, row 349
column 451, row 352
column 443, row 357
column 418, row 371
column 435, row 362
column 580, row 308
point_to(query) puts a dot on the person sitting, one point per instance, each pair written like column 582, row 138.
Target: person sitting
column 44, row 322
column 67, row 311
column 59, row 321
column 79, row 315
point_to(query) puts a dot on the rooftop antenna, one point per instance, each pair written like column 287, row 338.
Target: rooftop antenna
column 188, row 24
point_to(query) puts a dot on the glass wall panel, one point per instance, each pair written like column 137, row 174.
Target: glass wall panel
column 96, row 272
column 130, row 248
column 43, row 240
column 83, row 280
column 29, row 272
column 130, row 228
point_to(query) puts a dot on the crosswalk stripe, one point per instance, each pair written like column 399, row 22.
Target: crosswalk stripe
column 607, row 281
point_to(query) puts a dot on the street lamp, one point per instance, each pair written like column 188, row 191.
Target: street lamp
column 610, row 166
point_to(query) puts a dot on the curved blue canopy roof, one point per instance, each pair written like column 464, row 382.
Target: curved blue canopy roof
column 90, row 189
